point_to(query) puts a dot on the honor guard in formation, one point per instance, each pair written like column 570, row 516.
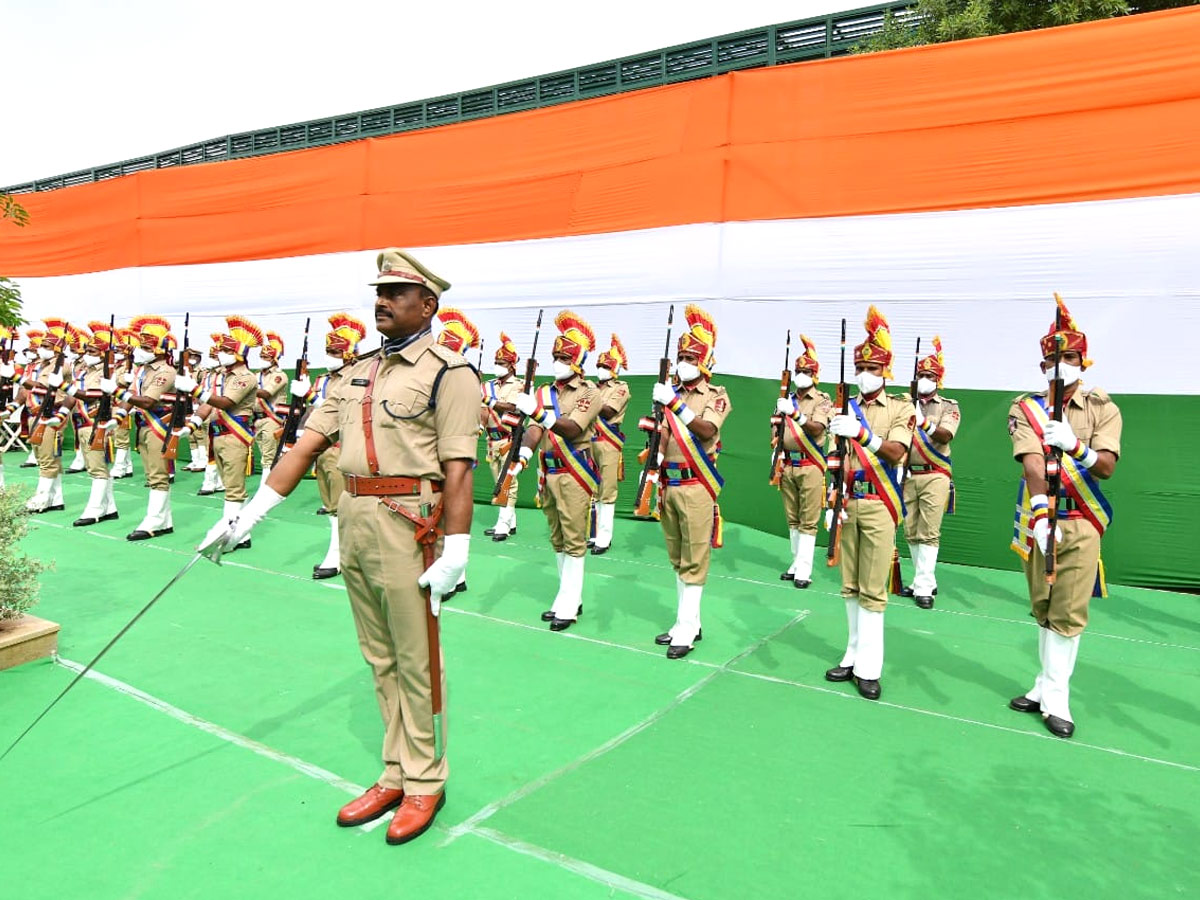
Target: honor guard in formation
column 47, row 417
column 1067, row 440
column 694, row 410
column 197, row 445
column 608, row 441
column 25, row 398
column 875, row 432
column 73, row 369
column 341, row 346
column 563, row 416
column 270, row 406
column 122, row 467
column 150, row 395
column 230, row 403
column 208, row 380
column 407, row 417
column 94, row 431
column 499, row 395
column 804, row 415
column 929, row 482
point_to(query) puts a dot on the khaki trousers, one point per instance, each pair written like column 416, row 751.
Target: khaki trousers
column 232, row 456
column 380, row 562
column 608, row 464
column 925, row 497
column 803, row 492
column 330, row 481
column 867, row 541
column 568, row 509
column 150, row 446
column 496, row 463
column 687, row 523
column 96, row 461
column 1064, row 608
column 264, row 438
column 121, row 438
column 49, row 453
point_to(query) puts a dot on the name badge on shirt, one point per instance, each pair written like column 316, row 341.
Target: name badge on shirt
column 359, row 382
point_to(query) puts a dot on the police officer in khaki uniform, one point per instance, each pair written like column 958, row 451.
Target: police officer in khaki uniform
column 929, row 485
column 1089, row 441
column 197, row 446
column 85, row 396
column 408, row 419
column 208, row 379
column 122, row 467
column 230, row 404
column 47, row 445
column 878, row 433
column 805, row 416
column 499, row 396
column 694, row 410
column 150, row 395
column 563, row 416
column 608, row 441
column 270, row 407
column 25, row 407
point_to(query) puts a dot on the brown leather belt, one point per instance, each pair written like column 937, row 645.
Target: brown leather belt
column 388, row 486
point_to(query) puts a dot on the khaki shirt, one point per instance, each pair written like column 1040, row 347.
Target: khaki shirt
column 614, row 393
column 506, row 392
column 239, row 386
column 89, row 393
column 155, row 380
column 709, row 402
column 410, row 439
column 1091, row 413
column 577, row 401
column 274, row 381
column 817, row 406
column 940, row 412
column 892, row 418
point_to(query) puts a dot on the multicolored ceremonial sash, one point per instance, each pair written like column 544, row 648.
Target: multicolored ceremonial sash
column 609, row 434
column 238, row 426
column 576, row 462
column 265, row 408
column 883, row 477
column 939, row 462
column 697, row 459
column 807, row 445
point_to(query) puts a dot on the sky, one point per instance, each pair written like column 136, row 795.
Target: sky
column 88, row 83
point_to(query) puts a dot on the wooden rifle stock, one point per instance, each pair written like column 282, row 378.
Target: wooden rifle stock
column 838, row 468
column 785, row 386
column 500, row 494
column 1054, row 455
column 47, row 408
column 652, row 425
column 104, row 409
column 287, row 434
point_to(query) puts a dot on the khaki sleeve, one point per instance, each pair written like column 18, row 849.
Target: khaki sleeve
column 619, row 399
column 325, row 419
column 587, row 407
column 823, row 410
column 457, row 415
column 717, row 408
column 1023, row 439
column 901, row 422
column 951, row 419
column 1107, row 434
column 161, row 382
column 240, row 389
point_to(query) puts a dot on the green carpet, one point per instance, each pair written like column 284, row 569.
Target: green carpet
column 236, row 717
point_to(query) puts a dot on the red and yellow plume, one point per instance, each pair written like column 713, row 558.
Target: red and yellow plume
column 76, row 338
column 576, row 339
column 614, row 357
column 55, row 334
column 1065, row 334
column 152, row 332
column 242, row 337
column 101, row 337
column 343, row 340
column 272, row 346
column 458, row 332
column 934, row 363
column 35, row 336
column 701, row 337
column 507, row 352
column 807, row 361
column 877, row 348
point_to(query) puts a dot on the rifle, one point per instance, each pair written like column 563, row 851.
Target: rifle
column 296, row 407
column 47, row 407
column 1054, row 454
column 785, row 387
column 916, row 398
column 652, row 425
column 179, row 410
column 516, row 422
column 104, row 411
column 838, row 467
column 479, row 364
column 6, row 356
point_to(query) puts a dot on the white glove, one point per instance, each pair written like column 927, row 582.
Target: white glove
column 7, row 370
column 447, row 569
column 21, row 357
column 54, row 379
column 1061, row 435
column 785, row 406
column 233, row 531
column 185, row 384
column 920, row 414
column 526, row 404
column 108, row 386
column 109, row 425
column 523, row 456
column 663, row 393
column 300, row 387
column 845, row 425
column 124, row 379
column 1041, row 532
column 843, row 517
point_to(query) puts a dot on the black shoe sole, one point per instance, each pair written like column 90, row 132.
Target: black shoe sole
column 870, row 693
column 801, row 584
column 1063, row 730
column 111, row 517
column 321, row 574
column 599, row 551
column 784, row 576
column 1023, row 704
column 664, row 639
column 147, row 535
column 677, row 652
column 561, row 624
column 839, row 673
column 396, row 842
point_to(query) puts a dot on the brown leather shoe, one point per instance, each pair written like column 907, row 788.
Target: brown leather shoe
column 414, row 817
column 370, row 806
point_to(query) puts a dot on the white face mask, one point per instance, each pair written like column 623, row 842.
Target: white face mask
column 1069, row 374
column 562, row 370
column 90, row 360
column 926, row 386
column 43, row 353
column 868, row 382
column 142, row 357
column 802, row 382
column 500, row 370
column 226, row 359
column 686, row 372
column 333, row 362
column 604, row 375
column 70, row 355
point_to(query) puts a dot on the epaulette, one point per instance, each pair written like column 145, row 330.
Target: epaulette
column 1099, row 396
column 1022, row 397
column 452, row 358
column 948, row 400
column 360, row 357
column 900, row 398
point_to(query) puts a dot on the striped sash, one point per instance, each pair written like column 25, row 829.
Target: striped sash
column 939, row 462
column 807, row 445
column 574, row 461
column 873, row 469
column 697, row 459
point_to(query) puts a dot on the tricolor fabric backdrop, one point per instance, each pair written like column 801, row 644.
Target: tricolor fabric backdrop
column 956, row 187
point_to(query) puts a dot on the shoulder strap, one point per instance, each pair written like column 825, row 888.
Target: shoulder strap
column 368, row 432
